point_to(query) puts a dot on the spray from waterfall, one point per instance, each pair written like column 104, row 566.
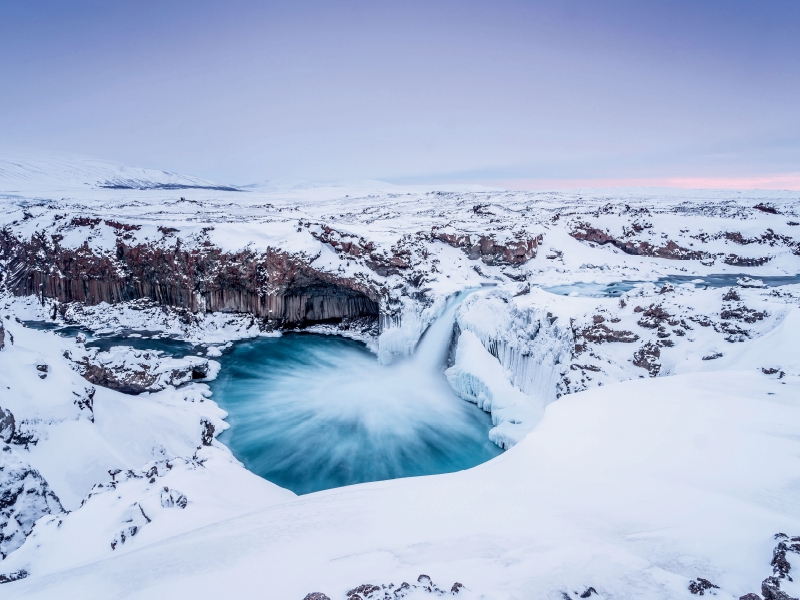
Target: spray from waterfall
column 311, row 412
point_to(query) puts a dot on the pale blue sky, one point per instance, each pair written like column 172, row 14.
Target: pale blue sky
column 243, row 91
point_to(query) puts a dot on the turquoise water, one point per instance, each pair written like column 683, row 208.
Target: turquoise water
column 311, row 412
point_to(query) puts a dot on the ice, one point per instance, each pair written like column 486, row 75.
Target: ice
column 478, row 377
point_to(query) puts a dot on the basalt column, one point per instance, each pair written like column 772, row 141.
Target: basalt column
column 274, row 285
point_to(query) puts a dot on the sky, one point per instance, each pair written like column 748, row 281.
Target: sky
column 524, row 94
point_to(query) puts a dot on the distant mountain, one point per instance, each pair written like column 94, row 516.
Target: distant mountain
column 26, row 172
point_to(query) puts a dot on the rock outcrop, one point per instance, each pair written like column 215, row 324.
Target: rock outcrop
column 277, row 286
column 586, row 233
column 24, row 497
column 133, row 371
column 513, row 251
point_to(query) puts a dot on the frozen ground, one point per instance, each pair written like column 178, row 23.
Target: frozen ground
column 651, row 437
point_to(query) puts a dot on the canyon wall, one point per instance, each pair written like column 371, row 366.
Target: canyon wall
column 277, row 286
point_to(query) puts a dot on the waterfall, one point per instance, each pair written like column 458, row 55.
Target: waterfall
column 431, row 351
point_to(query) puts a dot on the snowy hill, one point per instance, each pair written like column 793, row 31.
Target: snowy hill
column 635, row 349
column 39, row 173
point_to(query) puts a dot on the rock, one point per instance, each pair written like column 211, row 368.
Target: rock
column 207, row 435
column 654, row 316
column 172, row 498
column 647, row 358
column 513, row 251
column 585, row 232
column 588, row 592
column 742, row 313
column 43, row 369
column 600, row 333
column 80, row 338
column 85, row 400
column 741, row 261
column 766, row 208
column 771, row 590
column 731, row 295
column 750, row 596
column 15, row 576
column 780, row 565
column 316, row 596
column 7, row 425
column 363, row 590
column 280, row 287
column 24, row 498
column 134, row 519
column 713, row 356
column 133, row 371
column 701, row 586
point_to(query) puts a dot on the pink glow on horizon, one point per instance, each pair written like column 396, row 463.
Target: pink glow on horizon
column 783, row 181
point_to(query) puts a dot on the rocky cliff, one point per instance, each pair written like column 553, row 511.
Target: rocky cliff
column 280, row 287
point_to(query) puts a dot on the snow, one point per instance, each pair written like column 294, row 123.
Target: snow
column 632, row 479
column 629, row 492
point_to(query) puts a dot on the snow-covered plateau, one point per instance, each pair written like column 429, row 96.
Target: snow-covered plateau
column 637, row 351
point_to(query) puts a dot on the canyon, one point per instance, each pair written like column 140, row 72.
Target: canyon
column 608, row 337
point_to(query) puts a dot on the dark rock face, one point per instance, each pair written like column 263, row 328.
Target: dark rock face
column 740, row 261
column 742, row 313
column 771, row 586
column 15, row 576
column 489, row 250
column 173, row 498
column 140, row 373
column 16, row 432
column 647, row 358
column 766, row 208
column 601, row 333
column 24, row 497
column 85, row 401
column 207, row 435
column 273, row 285
column 731, row 295
column 654, row 317
column 2, row 336
column 586, row 233
column 316, row 596
column 369, row 591
column 7, row 425
column 360, row 248
column 700, row 586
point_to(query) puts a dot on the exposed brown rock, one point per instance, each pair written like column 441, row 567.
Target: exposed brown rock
column 656, row 316
column 274, row 285
column 585, row 232
column 742, row 313
column 489, row 250
column 600, row 333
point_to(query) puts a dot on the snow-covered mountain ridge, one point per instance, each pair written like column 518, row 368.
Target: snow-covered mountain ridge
column 624, row 487
column 38, row 173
